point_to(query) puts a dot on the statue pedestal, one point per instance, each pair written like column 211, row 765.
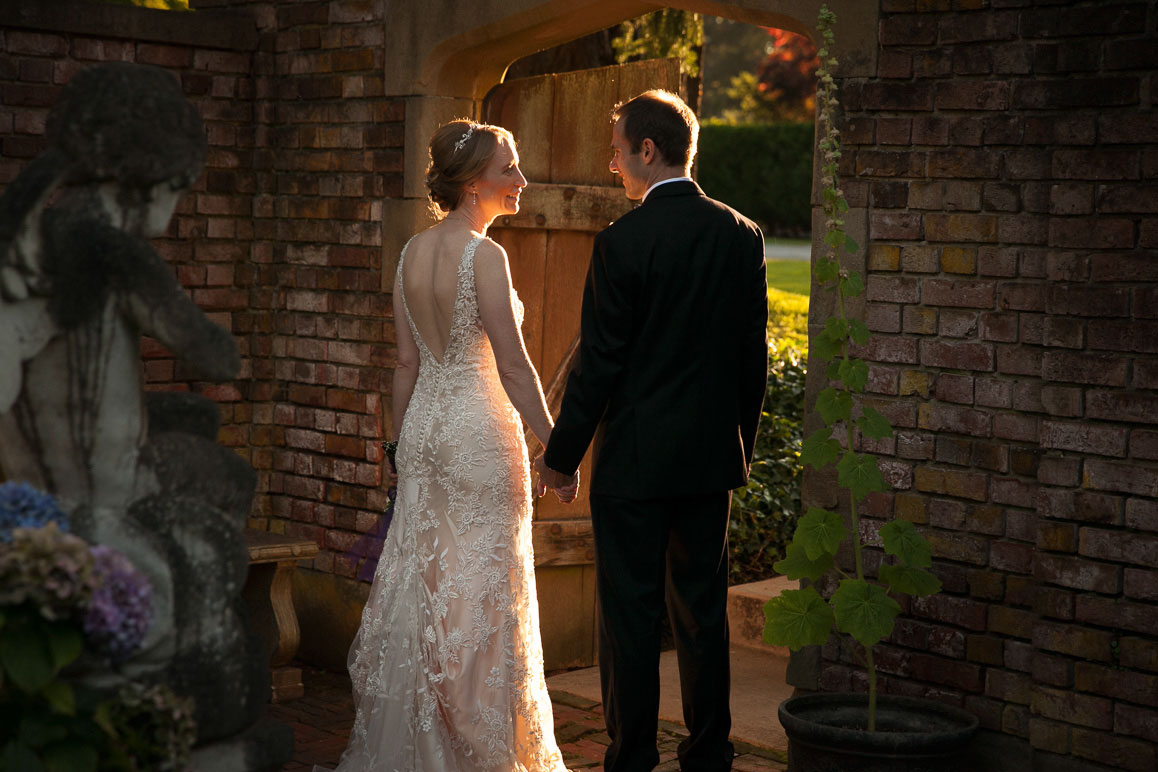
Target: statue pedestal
column 269, row 595
column 265, row 747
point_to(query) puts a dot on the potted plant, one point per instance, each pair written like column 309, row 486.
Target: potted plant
column 851, row 732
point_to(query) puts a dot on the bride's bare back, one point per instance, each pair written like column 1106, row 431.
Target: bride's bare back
column 430, row 283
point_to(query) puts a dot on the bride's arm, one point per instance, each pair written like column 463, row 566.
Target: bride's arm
column 406, row 369
column 492, row 279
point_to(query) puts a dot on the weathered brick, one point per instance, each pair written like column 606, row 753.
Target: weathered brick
column 920, row 320
column 884, row 257
column 963, row 612
column 883, row 317
column 1118, row 546
column 1019, row 360
column 1084, row 437
column 1053, row 602
column 880, row 163
column 963, row 164
column 957, row 356
column 908, row 30
column 972, row 95
column 1091, row 233
column 997, row 261
column 1119, row 752
column 930, row 130
column 1144, row 444
column 949, row 672
column 1135, row 721
column 1120, row 478
column 893, row 225
column 1074, row 92
column 958, row 293
column 1011, row 426
column 915, row 95
column 1057, row 537
column 1077, row 573
column 1140, row 653
column 978, row 27
column 1052, row 736
column 1053, row 671
column 991, row 392
column 957, row 323
column 1093, row 369
column 1085, row 643
column 1139, row 584
column 950, row 482
column 1116, row 613
column 954, row 388
column 1050, row 469
column 920, row 259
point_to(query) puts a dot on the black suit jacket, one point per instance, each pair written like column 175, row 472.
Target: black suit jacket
column 673, row 358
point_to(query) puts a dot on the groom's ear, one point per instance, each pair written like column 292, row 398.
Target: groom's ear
column 647, row 151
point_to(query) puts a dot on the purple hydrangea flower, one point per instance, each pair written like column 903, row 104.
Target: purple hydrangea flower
column 23, row 506
column 121, row 608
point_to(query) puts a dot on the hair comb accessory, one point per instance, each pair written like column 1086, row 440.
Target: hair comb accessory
column 462, row 140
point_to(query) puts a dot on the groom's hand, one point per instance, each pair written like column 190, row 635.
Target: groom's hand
column 566, row 488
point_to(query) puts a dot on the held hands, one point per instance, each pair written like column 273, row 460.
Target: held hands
column 566, row 488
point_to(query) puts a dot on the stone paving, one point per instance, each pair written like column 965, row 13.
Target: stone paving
column 321, row 721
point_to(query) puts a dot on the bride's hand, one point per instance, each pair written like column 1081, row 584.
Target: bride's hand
column 568, row 492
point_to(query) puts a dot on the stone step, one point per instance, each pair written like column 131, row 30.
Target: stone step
column 746, row 612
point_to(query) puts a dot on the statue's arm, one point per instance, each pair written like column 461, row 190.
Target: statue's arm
column 160, row 307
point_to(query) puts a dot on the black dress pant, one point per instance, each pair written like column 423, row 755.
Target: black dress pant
column 646, row 552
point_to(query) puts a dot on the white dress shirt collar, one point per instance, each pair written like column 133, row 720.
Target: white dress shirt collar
column 655, row 185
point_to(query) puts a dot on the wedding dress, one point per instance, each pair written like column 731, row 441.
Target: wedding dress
column 447, row 666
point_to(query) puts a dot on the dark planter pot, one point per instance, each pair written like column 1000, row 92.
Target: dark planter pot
column 826, row 734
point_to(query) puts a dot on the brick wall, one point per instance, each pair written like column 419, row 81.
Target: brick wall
column 280, row 239
column 1006, row 155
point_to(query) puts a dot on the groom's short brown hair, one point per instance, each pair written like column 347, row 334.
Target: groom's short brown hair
column 665, row 119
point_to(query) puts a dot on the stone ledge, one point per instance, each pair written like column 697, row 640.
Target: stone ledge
column 746, row 612
column 229, row 30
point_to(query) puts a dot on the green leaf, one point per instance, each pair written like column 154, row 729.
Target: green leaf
column 841, row 205
column 834, row 405
column 18, row 756
column 873, row 424
column 864, row 611
column 910, row 580
column 71, row 757
column 796, row 564
column 834, row 238
column 902, row 539
column 819, row 532
column 819, row 449
column 61, row 697
column 65, row 642
column 860, row 474
column 823, row 347
column 42, row 729
column 826, row 269
column 854, row 373
column 851, row 246
column 859, row 332
column 852, row 285
column 26, row 656
column 836, row 329
column 797, row 618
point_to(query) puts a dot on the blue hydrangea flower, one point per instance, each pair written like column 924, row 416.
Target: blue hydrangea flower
column 22, row 506
column 121, row 608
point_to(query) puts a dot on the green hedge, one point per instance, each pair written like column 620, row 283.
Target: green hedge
column 764, row 512
column 762, row 170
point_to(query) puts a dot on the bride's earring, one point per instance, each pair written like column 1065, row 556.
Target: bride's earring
column 475, row 194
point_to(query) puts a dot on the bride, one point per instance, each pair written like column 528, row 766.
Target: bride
column 447, row 666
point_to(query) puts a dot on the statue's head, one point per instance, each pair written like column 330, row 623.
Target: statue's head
column 130, row 124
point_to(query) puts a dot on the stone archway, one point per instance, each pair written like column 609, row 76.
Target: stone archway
column 444, row 69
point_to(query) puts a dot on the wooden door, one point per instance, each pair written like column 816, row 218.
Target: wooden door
column 562, row 127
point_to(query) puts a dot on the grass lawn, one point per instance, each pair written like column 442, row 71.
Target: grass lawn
column 790, row 276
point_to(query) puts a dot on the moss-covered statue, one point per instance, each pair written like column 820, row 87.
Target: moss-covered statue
column 79, row 286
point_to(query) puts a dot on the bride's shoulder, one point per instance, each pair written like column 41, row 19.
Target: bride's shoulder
column 490, row 252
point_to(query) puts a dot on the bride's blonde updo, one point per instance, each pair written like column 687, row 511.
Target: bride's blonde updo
column 459, row 152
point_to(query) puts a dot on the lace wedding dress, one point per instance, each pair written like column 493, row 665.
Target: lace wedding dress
column 447, row 666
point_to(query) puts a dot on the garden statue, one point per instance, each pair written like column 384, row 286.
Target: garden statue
column 79, row 285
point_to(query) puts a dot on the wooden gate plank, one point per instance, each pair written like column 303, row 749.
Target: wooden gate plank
column 525, row 107
column 581, row 135
column 589, row 208
column 527, row 254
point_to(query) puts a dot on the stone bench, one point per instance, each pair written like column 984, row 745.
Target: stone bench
column 269, row 595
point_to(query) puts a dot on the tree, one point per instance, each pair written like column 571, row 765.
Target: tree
column 758, row 74
column 660, row 35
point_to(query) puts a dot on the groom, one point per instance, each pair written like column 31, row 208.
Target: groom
column 669, row 383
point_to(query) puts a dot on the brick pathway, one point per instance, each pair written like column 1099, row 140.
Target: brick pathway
column 321, row 721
